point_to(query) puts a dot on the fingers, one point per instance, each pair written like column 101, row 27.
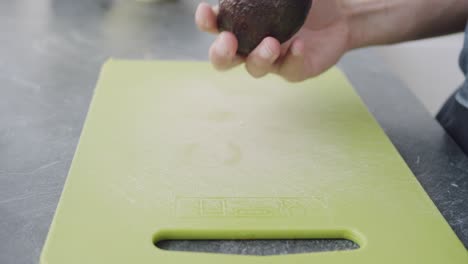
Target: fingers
column 266, row 58
column 205, row 18
column 292, row 65
column 223, row 52
column 260, row 62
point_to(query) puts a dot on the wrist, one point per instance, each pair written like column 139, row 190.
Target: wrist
column 382, row 22
column 375, row 22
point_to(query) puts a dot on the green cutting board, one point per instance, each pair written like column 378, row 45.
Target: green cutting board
column 175, row 150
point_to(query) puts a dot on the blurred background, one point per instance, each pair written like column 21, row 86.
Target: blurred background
column 50, row 57
column 428, row 67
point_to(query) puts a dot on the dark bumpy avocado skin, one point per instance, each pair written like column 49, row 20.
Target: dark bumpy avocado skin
column 253, row 20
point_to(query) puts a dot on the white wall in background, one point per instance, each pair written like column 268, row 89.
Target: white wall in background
column 429, row 67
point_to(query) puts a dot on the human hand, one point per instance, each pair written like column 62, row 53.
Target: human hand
column 318, row 45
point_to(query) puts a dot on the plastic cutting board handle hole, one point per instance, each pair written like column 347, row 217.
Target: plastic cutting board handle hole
column 257, row 247
column 258, row 243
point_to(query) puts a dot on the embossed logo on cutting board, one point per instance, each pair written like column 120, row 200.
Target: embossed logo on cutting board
column 219, row 207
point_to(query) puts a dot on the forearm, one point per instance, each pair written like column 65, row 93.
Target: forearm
column 379, row 22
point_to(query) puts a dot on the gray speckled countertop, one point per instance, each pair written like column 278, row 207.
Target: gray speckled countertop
column 50, row 55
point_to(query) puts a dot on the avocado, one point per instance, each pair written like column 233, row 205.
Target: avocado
column 253, row 20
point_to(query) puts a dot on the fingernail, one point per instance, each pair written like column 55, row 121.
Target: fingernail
column 296, row 51
column 265, row 52
column 215, row 9
column 221, row 48
column 206, row 24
